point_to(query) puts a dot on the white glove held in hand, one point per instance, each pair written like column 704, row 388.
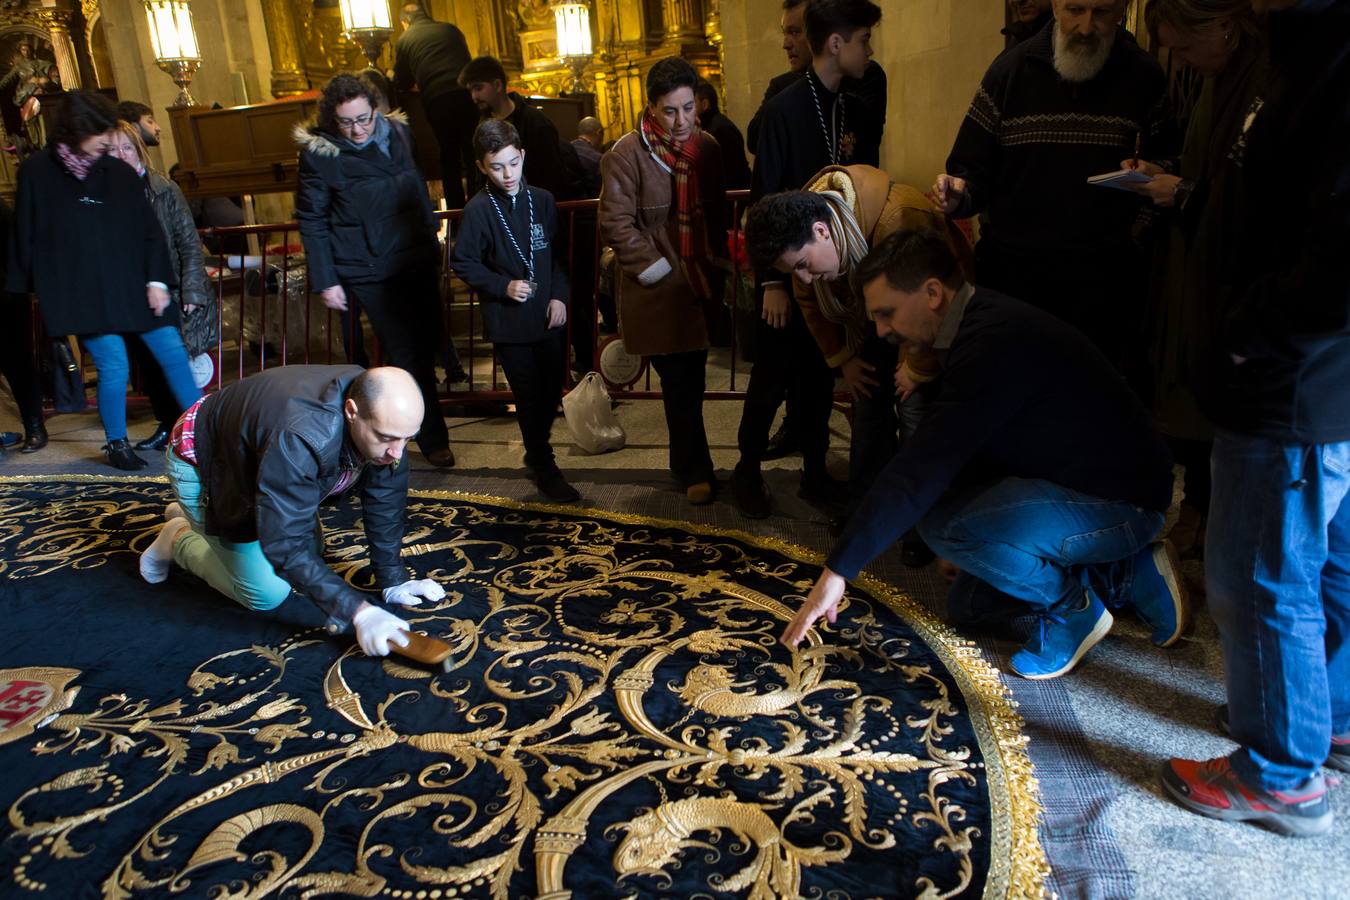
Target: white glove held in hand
column 376, row 629
column 411, row 593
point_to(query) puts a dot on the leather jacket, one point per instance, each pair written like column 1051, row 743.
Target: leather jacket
column 270, row 449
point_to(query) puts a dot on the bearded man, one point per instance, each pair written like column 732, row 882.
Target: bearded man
column 1068, row 103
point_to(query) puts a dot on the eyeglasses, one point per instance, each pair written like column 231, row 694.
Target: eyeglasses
column 362, row 121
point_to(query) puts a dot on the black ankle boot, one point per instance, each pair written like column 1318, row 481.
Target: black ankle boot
column 157, row 441
column 121, row 456
column 35, row 436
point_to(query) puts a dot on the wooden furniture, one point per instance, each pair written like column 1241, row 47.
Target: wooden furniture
column 251, row 149
column 239, row 150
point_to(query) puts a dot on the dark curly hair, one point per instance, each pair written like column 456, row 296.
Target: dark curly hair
column 909, row 257
column 339, row 89
column 494, row 134
column 482, row 69
column 782, row 222
column 83, row 114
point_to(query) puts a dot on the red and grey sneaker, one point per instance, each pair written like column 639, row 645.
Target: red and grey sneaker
column 1211, row 788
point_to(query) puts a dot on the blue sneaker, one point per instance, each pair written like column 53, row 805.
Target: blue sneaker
column 1064, row 638
column 1158, row 594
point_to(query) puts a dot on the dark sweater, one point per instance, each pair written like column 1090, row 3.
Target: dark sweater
column 487, row 261
column 1031, row 139
column 1291, row 319
column 1021, row 395
column 870, row 89
column 544, row 164
column 735, row 170
column 430, row 54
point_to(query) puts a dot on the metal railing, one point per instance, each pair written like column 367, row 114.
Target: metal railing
column 260, row 299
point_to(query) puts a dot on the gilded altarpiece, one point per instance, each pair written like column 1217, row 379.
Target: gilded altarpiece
column 307, row 46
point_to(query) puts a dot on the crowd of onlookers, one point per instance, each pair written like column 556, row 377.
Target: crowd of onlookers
column 1153, row 282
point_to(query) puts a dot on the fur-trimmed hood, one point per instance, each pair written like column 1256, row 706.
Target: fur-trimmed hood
column 310, row 137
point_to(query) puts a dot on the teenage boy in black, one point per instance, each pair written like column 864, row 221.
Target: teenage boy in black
column 505, row 252
column 806, row 127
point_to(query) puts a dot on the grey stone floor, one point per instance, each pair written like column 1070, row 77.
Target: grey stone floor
column 1124, row 711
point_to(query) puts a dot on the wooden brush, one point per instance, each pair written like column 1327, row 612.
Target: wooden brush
column 426, row 650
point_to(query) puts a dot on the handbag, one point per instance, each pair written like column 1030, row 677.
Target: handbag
column 65, row 380
column 591, row 417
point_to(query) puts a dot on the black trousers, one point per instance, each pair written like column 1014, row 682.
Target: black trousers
column 16, row 355
column 683, row 379
column 405, row 313
column 535, row 372
column 453, row 117
column 875, row 436
column 787, row 359
column 581, row 311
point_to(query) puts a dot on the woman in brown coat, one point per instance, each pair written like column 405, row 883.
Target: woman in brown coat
column 663, row 210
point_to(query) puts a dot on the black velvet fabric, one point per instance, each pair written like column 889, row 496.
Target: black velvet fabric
column 619, row 721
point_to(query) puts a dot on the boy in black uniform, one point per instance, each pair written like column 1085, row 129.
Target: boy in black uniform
column 505, row 251
column 805, row 128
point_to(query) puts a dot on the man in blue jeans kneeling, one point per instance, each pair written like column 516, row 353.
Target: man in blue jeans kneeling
column 1036, row 471
column 250, row 465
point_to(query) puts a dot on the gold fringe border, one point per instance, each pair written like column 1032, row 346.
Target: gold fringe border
column 1014, row 794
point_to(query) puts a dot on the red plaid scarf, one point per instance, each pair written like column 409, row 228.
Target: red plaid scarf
column 682, row 162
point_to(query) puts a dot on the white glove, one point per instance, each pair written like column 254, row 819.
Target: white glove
column 412, row 593
column 376, row 629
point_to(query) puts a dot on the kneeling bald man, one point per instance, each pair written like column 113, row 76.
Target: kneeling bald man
column 250, row 465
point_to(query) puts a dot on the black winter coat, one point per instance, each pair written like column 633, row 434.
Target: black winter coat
column 88, row 248
column 270, row 449
column 363, row 216
column 185, row 258
column 487, row 261
column 1291, row 317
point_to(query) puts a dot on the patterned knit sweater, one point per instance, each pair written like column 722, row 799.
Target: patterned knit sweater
column 1031, row 139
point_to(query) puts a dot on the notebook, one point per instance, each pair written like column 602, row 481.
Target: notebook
column 1121, row 180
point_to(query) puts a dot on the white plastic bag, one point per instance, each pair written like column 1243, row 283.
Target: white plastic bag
column 587, row 410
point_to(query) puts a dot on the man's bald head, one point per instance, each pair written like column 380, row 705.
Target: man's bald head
column 384, row 411
column 589, row 129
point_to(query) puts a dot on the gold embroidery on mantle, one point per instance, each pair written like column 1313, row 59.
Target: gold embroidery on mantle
column 821, row 746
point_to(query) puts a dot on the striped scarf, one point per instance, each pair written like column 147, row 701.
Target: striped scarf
column 75, row 160
column 848, row 236
column 681, row 161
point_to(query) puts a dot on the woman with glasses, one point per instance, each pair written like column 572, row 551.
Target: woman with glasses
column 370, row 236
column 191, row 292
column 87, row 242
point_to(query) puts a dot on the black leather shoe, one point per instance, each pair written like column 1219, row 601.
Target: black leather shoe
column 121, row 456
column 157, row 441
column 783, row 443
column 443, row 458
column 914, row 553
column 750, row 495
column 823, row 489
column 35, row 436
column 555, row 487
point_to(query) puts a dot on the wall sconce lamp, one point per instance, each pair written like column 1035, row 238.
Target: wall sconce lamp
column 368, row 23
column 573, row 23
column 174, row 43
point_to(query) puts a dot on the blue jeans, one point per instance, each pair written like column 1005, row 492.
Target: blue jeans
column 1277, row 569
column 239, row 571
column 110, row 359
column 1039, row 541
